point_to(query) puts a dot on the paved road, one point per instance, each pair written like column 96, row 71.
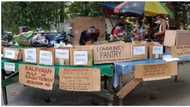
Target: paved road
column 164, row 92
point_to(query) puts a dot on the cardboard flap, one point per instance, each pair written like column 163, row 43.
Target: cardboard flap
column 155, row 71
column 170, row 38
column 182, row 38
column 176, row 38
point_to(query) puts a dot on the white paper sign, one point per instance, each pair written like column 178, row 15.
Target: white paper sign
column 46, row 57
column 138, row 50
column 157, row 49
column 169, row 58
column 30, row 55
column 62, row 53
column 9, row 66
column 80, row 57
column 11, row 54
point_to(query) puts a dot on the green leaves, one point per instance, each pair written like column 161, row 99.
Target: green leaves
column 35, row 14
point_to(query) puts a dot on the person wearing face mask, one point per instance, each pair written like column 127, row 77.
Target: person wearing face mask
column 89, row 36
column 163, row 25
column 139, row 30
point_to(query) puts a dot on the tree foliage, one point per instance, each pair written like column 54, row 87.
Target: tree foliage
column 35, row 14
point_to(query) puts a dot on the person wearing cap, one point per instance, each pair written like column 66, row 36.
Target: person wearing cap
column 163, row 25
column 139, row 30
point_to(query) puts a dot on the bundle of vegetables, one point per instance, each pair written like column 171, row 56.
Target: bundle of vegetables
column 23, row 39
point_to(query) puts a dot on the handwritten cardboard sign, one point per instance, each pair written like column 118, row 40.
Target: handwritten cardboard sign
column 83, row 79
column 30, row 55
column 36, row 76
column 155, row 71
column 111, row 52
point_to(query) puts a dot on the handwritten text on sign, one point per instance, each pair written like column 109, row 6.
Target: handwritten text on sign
column 181, row 50
column 36, row 76
column 84, row 79
column 155, row 70
column 109, row 53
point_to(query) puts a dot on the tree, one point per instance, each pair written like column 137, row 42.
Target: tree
column 35, row 14
column 181, row 10
column 32, row 14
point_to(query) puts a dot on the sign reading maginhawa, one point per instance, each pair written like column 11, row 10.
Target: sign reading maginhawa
column 36, row 76
column 81, row 79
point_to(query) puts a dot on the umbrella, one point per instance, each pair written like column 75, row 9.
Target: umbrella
column 170, row 13
column 141, row 8
column 109, row 5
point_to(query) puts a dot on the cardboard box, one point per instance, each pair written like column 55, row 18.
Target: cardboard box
column 80, row 79
column 176, row 38
column 112, row 52
column 149, row 72
column 12, row 53
column 79, row 24
column 155, row 50
column 46, row 56
column 139, row 51
column 178, row 51
column 30, row 55
column 82, row 55
column 62, row 56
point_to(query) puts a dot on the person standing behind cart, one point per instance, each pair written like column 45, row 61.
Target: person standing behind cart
column 89, row 36
column 163, row 26
column 139, row 30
